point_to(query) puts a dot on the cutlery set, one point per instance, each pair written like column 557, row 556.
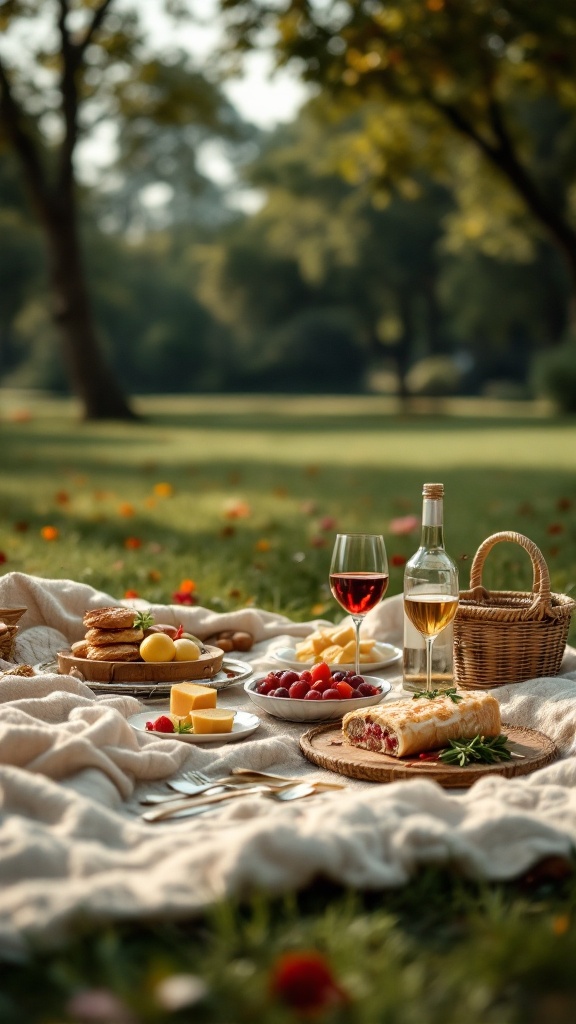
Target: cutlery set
column 194, row 793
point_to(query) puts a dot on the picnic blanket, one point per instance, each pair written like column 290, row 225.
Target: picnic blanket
column 73, row 846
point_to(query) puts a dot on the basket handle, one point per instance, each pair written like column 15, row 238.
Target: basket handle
column 541, row 576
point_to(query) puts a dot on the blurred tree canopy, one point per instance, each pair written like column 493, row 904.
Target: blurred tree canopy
column 67, row 68
column 500, row 76
column 411, row 229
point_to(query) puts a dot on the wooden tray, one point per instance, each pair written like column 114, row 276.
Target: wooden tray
column 324, row 746
column 205, row 667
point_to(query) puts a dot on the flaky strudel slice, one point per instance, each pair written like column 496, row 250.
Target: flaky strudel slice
column 411, row 726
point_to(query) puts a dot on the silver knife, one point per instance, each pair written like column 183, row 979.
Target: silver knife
column 167, row 810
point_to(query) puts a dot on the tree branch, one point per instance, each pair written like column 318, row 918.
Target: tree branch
column 11, row 116
column 97, row 19
column 69, row 97
column 504, row 157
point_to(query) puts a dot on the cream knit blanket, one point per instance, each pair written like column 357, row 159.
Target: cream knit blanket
column 74, row 848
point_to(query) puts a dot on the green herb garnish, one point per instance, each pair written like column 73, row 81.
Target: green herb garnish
column 183, row 727
column 143, row 620
column 476, row 749
column 431, row 694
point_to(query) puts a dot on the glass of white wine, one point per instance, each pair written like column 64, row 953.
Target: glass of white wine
column 431, row 604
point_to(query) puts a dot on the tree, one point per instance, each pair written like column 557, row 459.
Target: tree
column 476, row 68
column 66, row 67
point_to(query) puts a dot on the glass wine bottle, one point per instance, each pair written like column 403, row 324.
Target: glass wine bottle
column 430, row 571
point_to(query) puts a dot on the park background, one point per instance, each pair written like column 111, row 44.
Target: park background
column 237, row 315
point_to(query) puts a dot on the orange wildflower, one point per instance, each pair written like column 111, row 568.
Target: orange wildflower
column 154, row 576
column 262, row 544
column 187, row 587
column 49, row 533
column 163, row 490
column 237, row 509
column 131, row 593
column 126, row 509
column 62, row 497
column 560, row 924
column 132, row 543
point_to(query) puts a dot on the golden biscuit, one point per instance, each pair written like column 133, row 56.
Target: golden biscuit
column 80, row 649
column 103, row 637
column 111, row 617
column 114, row 652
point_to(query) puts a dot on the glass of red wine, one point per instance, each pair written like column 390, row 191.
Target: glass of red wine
column 358, row 576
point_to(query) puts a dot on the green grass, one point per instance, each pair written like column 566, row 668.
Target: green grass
column 440, row 950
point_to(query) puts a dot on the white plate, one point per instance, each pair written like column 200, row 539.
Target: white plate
column 294, row 710
column 386, row 654
column 245, row 723
column 233, row 671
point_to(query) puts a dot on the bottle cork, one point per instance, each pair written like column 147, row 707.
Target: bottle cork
column 433, row 491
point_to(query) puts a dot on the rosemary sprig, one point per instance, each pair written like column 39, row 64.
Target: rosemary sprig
column 142, row 620
column 476, row 749
column 431, row 694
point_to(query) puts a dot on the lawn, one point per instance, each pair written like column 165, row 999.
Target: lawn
column 242, row 496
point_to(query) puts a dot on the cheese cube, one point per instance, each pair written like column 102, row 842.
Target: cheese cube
column 319, row 643
column 186, row 697
column 212, row 720
column 342, row 635
column 332, row 653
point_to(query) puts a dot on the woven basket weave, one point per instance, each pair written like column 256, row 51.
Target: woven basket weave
column 503, row 637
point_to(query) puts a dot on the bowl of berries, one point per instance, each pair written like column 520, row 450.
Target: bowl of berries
column 315, row 695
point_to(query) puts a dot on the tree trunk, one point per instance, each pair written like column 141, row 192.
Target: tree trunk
column 90, row 376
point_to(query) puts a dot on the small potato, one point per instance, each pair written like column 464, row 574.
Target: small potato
column 242, row 641
column 224, row 644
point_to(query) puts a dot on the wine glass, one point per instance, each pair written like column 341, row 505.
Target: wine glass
column 431, row 604
column 358, row 576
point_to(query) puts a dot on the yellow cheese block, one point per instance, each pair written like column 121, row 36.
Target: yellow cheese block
column 212, row 720
column 186, row 697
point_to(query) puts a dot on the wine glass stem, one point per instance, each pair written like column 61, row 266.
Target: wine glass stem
column 357, row 624
column 429, row 640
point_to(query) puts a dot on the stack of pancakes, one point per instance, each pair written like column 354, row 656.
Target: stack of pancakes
column 110, row 635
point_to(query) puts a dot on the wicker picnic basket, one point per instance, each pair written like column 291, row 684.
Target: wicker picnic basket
column 503, row 637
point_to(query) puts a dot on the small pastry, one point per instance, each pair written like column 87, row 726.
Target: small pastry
column 80, row 649
column 114, row 652
column 103, row 637
column 110, row 617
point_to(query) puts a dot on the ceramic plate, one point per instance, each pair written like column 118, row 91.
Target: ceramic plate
column 385, row 654
column 244, row 724
column 233, row 671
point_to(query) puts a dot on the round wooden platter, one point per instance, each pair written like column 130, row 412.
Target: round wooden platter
column 205, row 667
column 325, row 747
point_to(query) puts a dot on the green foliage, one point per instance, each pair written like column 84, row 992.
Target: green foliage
column 555, row 375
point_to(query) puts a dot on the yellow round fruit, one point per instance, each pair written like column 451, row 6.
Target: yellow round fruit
column 186, row 650
column 157, row 647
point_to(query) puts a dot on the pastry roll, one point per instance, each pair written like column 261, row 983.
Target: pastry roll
column 412, row 726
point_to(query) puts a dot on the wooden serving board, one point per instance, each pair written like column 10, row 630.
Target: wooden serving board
column 205, row 667
column 325, row 747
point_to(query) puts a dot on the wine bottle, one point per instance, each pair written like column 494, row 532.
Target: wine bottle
column 430, row 564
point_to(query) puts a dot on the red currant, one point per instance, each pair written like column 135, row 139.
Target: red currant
column 299, row 690
column 331, row 694
column 313, row 695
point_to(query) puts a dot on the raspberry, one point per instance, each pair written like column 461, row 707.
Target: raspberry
column 344, row 689
column 321, row 685
column 306, row 676
column 287, row 678
column 163, row 724
column 299, row 690
column 331, row 694
column 320, row 671
column 367, row 689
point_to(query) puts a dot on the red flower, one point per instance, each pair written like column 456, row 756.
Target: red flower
column 131, row 594
column 3, row 558
column 555, row 528
column 328, row 523
column 132, row 543
column 184, row 597
column 62, row 498
column 305, row 982
column 404, row 525
column 398, row 560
